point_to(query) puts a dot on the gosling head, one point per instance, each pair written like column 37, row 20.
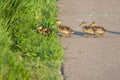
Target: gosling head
column 93, row 24
column 39, row 28
column 58, row 22
column 83, row 24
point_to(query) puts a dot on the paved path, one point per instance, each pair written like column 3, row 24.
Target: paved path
column 91, row 58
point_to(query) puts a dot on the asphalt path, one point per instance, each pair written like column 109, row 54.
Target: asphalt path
column 88, row 58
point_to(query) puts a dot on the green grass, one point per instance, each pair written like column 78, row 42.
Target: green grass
column 26, row 54
column 10, row 66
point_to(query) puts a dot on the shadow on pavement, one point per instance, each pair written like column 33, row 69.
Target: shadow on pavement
column 78, row 33
column 62, row 72
column 114, row 32
column 82, row 33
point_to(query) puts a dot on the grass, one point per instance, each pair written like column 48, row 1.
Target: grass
column 11, row 68
column 26, row 54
